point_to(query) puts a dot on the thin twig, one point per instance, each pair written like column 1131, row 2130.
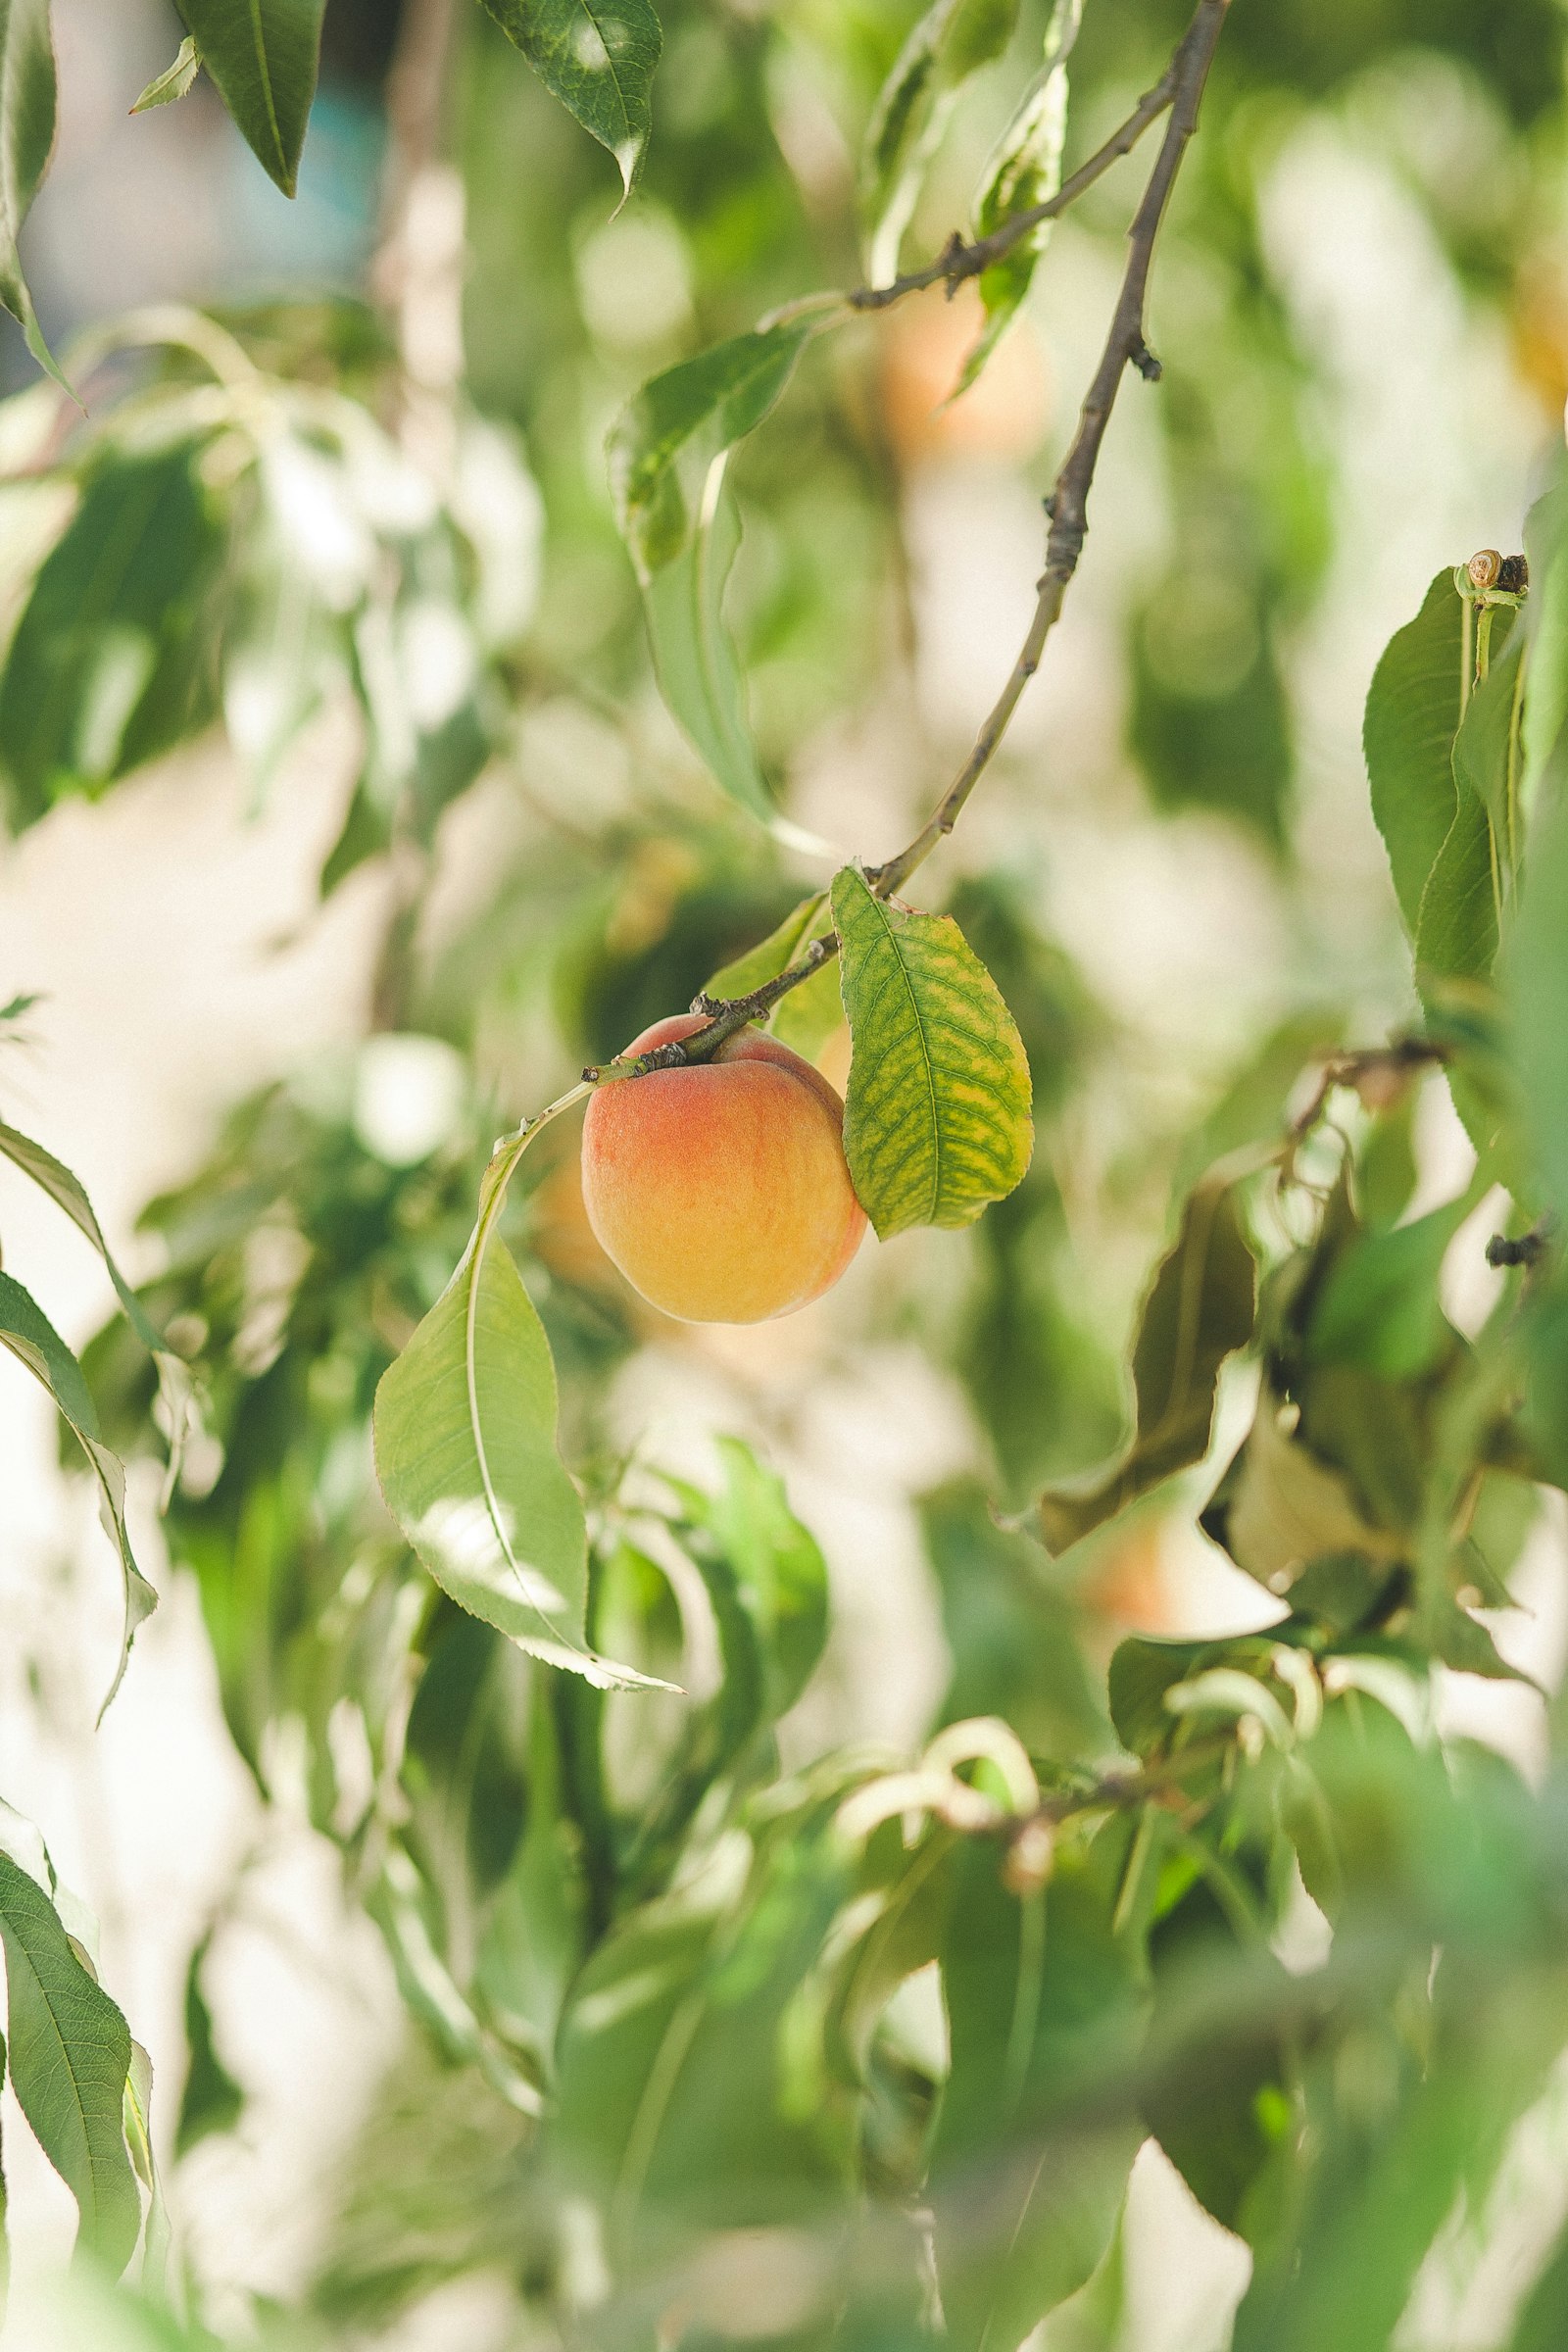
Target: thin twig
column 1181, row 90
column 959, row 261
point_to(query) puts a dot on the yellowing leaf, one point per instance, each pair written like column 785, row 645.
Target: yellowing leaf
column 937, row 1123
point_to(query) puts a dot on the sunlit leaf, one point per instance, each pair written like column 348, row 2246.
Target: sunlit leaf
column 1025, row 169
column 176, row 81
column 598, row 58
column 950, row 42
column 264, row 56
column 69, row 2061
column 465, row 1453
column 32, row 1337
column 937, row 1122
column 1199, row 1311
column 1378, row 1305
column 27, row 138
column 1412, row 716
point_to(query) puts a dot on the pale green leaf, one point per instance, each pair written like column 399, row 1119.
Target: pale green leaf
column 264, row 56
column 27, row 138
column 1199, row 1311
column 662, row 446
column 951, row 41
column 1025, row 169
column 937, row 1123
column 69, row 2064
column 32, row 1338
column 1536, row 970
column 694, row 654
column 68, row 1192
column 465, row 1453
column 1546, row 711
column 1412, row 716
column 808, row 1015
column 598, row 57
column 176, row 81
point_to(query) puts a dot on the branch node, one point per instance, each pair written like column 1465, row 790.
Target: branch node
column 1143, row 359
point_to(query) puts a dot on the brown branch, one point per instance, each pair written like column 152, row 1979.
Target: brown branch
column 959, row 261
column 1181, row 90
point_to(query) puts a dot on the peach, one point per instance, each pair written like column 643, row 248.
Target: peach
column 721, row 1190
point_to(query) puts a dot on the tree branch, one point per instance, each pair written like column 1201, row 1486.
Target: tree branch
column 958, row 260
column 1181, row 91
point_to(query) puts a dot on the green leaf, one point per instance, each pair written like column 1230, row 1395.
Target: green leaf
column 1486, row 752
column 674, row 2110
column 32, row 1338
column 26, row 138
column 264, row 56
column 1536, row 981
column 1042, row 1999
column 1199, row 1311
column 662, row 446
column 70, row 2062
column 598, row 57
column 667, row 452
column 1412, row 716
column 110, row 664
column 1456, row 931
column 1546, row 711
column 465, row 1453
column 1025, row 169
column 211, row 2099
column 176, row 81
column 1141, row 1670
column 1279, row 1507
column 950, row 42
column 1379, row 1306
column 937, row 1123
column 695, row 659
column 774, row 1569
column 68, row 1192
column 808, row 1015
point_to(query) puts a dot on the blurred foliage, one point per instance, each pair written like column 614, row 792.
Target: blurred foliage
column 704, row 2023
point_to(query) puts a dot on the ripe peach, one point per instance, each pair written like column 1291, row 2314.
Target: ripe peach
column 721, row 1191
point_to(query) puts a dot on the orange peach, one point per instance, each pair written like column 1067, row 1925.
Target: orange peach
column 721, row 1190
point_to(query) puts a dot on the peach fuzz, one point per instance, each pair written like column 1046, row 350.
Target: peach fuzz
column 721, row 1191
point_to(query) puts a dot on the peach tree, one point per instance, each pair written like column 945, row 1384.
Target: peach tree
column 885, row 2031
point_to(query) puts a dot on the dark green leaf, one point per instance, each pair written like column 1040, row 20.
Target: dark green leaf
column 32, row 1337
column 952, row 40
column 1412, row 716
column 264, row 56
column 1378, row 1305
column 1024, row 171
column 27, row 138
column 176, row 81
column 1142, row 1671
column 937, row 1123
column 598, row 58
column 1199, row 1311
column 110, row 662
column 465, row 1453
column 70, row 2060
column 1456, row 932
column 211, row 2099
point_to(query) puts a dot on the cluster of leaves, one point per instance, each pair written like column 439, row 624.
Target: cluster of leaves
column 886, row 2038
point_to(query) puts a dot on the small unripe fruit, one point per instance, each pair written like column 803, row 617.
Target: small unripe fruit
column 721, row 1190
